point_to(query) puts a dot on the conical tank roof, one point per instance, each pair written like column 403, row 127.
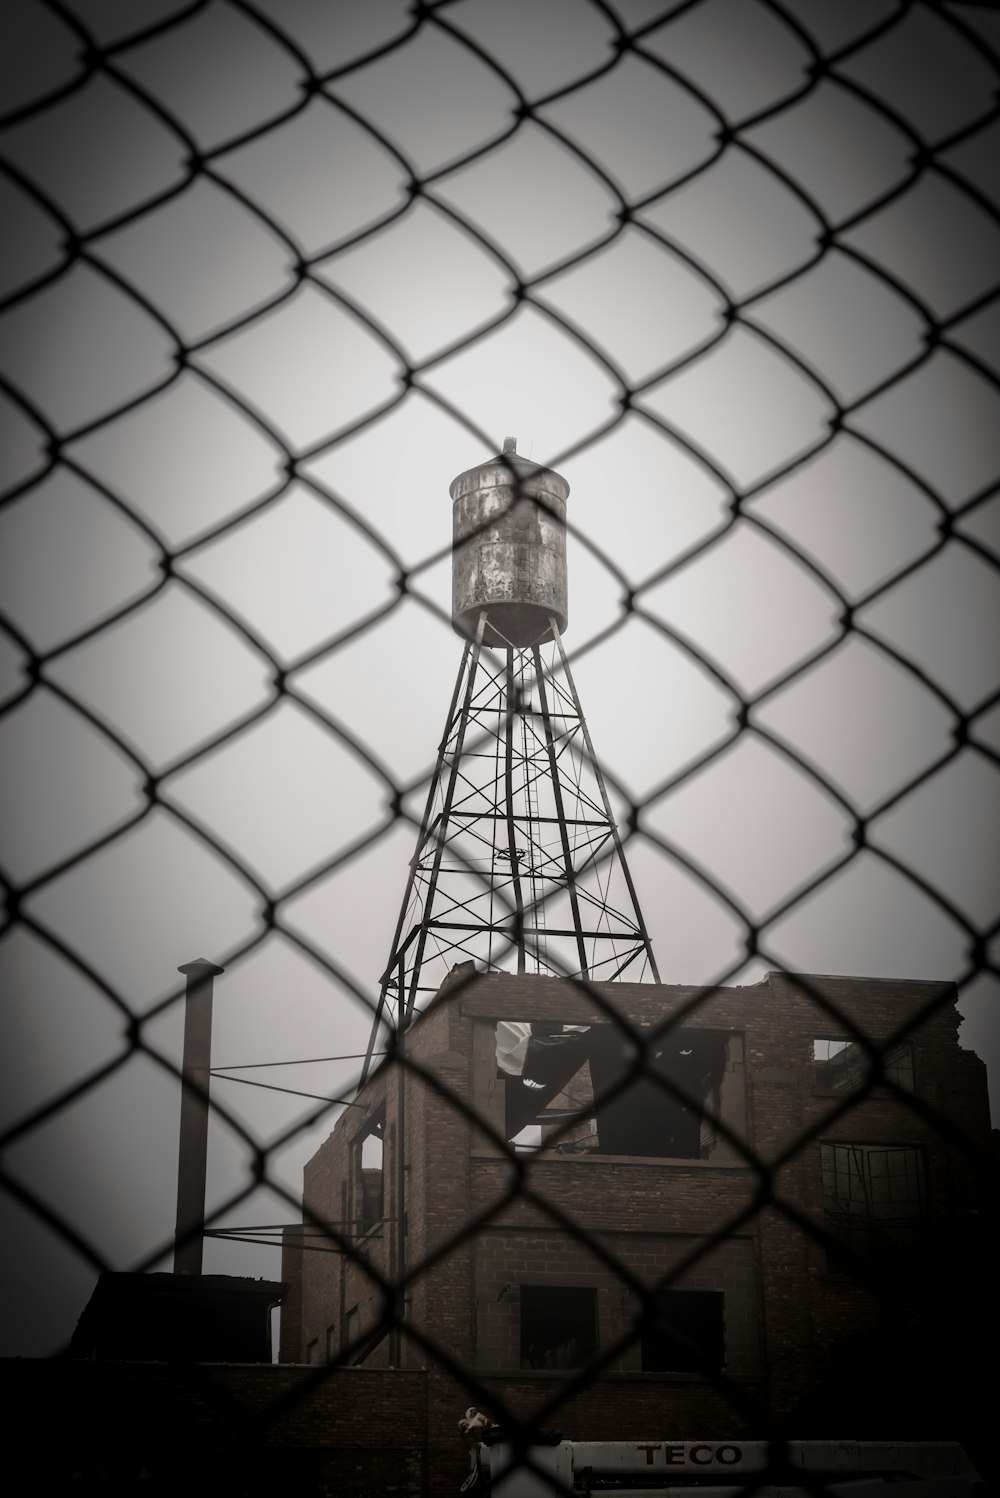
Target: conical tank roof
column 501, row 469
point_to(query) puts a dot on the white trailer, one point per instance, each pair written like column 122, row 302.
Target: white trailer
column 726, row 1469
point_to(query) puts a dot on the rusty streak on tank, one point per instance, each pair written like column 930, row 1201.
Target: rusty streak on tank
column 509, row 550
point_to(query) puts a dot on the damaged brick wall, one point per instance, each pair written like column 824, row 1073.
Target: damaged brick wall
column 586, row 1219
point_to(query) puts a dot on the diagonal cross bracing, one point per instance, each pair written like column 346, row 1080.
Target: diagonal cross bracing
column 518, row 864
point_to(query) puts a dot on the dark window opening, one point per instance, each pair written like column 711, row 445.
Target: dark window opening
column 312, row 1351
column 369, row 1175
column 558, row 1326
column 331, row 1343
column 874, row 1196
column 558, row 1080
column 687, row 1335
column 844, row 1066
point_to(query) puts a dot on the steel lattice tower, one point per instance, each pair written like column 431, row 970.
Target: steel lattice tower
column 518, row 865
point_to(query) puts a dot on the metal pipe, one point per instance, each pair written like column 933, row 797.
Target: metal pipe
column 400, row 1190
column 192, row 1152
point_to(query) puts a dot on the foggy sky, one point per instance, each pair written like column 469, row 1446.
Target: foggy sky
column 270, row 573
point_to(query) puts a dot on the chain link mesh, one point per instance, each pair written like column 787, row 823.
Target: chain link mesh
column 72, row 378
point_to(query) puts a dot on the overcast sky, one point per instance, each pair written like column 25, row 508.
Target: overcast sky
column 156, row 458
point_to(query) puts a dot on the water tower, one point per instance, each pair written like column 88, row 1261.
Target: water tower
column 518, row 864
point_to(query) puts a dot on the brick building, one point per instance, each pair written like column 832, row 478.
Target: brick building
column 766, row 1226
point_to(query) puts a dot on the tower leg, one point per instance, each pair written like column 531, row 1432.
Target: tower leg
column 599, row 777
column 550, row 750
column 441, row 831
column 396, row 966
column 512, row 848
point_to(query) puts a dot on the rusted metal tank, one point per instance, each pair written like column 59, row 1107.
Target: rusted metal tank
column 509, row 549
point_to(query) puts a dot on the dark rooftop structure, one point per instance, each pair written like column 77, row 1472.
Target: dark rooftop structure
column 178, row 1318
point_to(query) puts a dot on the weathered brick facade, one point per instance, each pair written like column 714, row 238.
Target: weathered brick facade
column 723, row 1223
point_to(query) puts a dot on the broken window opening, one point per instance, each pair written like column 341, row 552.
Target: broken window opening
column 844, row 1065
column 874, row 1196
column 558, row 1326
column 557, row 1076
column 687, row 1334
column 369, row 1175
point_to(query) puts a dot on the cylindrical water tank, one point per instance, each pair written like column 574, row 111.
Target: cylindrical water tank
column 509, row 550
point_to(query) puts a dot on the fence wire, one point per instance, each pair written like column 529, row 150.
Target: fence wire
column 70, row 52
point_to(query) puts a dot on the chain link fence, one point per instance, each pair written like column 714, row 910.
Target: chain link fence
column 747, row 255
